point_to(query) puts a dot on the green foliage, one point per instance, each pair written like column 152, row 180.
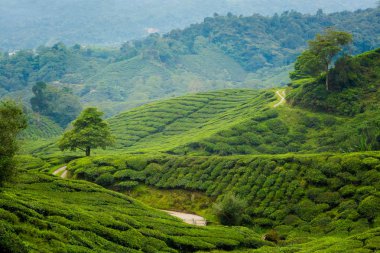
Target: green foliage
column 322, row 50
column 230, row 210
column 12, row 121
column 354, row 86
column 105, row 179
column 301, row 191
column 58, row 104
column 221, row 52
column 89, row 131
column 47, row 214
column 370, row 207
column 9, row 241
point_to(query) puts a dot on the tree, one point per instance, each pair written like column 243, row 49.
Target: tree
column 230, row 210
column 12, row 121
column 58, row 104
column 89, row 131
column 322, row 52
column 325, row 47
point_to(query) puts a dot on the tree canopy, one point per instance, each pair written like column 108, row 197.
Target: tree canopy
column 58, row 104
column 12, row 121
column 89, row 131
column 321, row 54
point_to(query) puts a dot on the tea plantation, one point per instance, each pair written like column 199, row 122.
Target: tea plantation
column 42, row 213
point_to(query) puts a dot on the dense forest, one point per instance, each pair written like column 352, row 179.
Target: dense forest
column 221, row 52
column 28, row 23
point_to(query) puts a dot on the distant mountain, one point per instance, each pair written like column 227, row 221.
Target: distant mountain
column 221, row 52
column 30, row 23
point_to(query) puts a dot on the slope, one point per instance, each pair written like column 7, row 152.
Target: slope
column 163, row 125
column 42, row 213
column 330, row 198
column 40, row 127
column 220, row 52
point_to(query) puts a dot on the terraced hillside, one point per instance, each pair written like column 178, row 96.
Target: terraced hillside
column 42, row 213
column 164, row 125
column 300, row 196
column 239, row 122
column 40, row 127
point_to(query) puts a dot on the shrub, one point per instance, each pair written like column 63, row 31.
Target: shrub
column 373, row 243
column 272, row 236
column 347, row 190
column 126, row 185
column 315, row 176
column 230, row 210
column 105, row 180
column 307, row 210
column 370, row 207
column 331, row 198
column 9, row 241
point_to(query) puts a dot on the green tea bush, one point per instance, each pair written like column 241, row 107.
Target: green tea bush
column 230, row 210
column 126, row 185
column 105, row 179
column 9, row 241
column 369, row 207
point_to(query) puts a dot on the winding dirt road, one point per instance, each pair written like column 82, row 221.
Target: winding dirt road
column 62, row 170
column 189, row 218
column 282, row 95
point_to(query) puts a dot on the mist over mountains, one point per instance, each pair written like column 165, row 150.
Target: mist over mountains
column 31, row 23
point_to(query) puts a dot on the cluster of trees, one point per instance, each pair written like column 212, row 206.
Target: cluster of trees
column 58, row 104
column 320, row 56
column 12, row 121
column 258, row 41
column 89, row 131
column 47, row 64
column 120, row 20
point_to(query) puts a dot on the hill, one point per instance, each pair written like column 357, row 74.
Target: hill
column 40, row 127
column 30, row 23
column 325, row 202
column 47, row 214
column 220, row 52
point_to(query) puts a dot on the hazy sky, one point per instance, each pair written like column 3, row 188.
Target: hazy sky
column 29, row 23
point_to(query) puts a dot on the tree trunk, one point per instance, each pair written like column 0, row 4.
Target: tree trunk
column 88, row 151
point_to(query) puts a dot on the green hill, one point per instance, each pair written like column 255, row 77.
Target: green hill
column 244, row 122
column 328, row 198
column 220, row 52
column 40, row 127
column 42, row 213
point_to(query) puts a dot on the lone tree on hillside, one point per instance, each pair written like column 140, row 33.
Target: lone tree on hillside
column 321, row 54
column 89, row 131
column 12, row 121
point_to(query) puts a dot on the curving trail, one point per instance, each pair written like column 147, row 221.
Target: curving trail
column 63, row 170
column 282, row 95
column 187, row 218
column 191, row 219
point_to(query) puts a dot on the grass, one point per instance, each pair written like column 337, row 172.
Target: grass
column 173, row 199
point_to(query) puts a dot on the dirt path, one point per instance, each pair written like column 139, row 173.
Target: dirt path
column 62, row 170
column 282, row 95
column 189, row 218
